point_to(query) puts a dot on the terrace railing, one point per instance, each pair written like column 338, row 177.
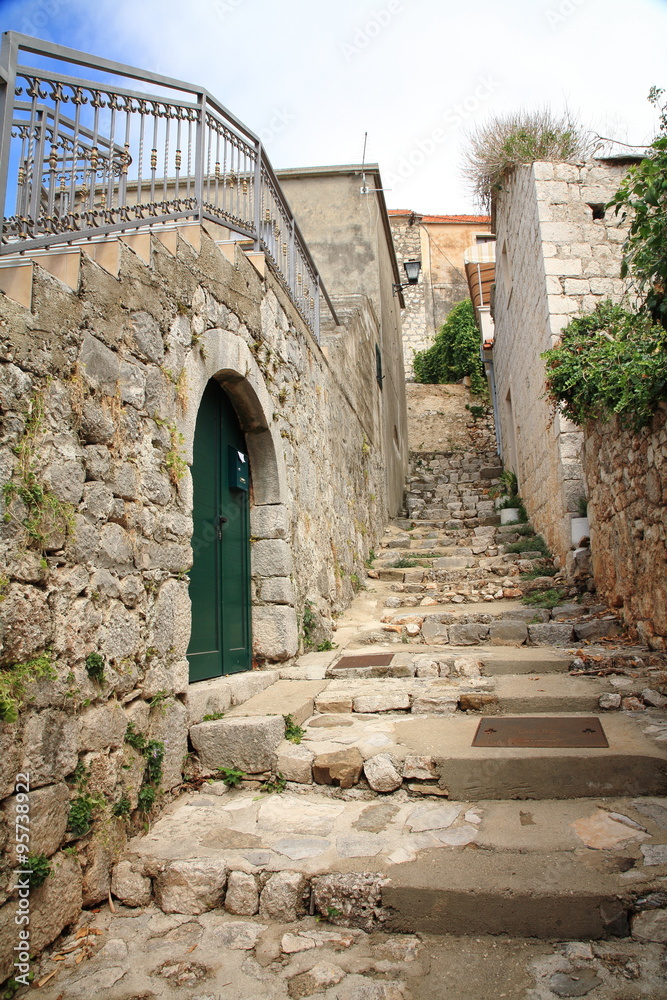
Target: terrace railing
column 126, row 149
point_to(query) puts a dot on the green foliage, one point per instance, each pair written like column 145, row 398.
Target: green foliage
column 534, row 544
column 501, row 144
column 541, row 571
column 146, row 798
column 610, row 361
column 544, row 598
column 157, row 701
column 12, row 986
column 81, row 810
column 308, row 622
column 95, row 667
column 39, row 867
column 582, row 507
column 357, row 585
column 643, row 196
column 16, row 680
column 122, row 807
column 277, row 784
column 293, row 732
column 213, row 716
column 403, row 563
column 40, row 512
column 325, row 646
column 371, row 558
column 231, row 776
column 454, row 352
column 477, row 412
column 136, row 740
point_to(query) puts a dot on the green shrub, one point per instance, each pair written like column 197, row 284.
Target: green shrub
column 544, row 598
column 534, row 544
column 81, row 810
column 231, row 776
column 610, row 361
column 15, row 682
column 454, row 352
column 293, row 732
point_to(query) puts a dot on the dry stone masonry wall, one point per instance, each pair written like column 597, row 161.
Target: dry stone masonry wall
column 416, row 330
column 626, row 476
column 99, row 390
column 558, row 254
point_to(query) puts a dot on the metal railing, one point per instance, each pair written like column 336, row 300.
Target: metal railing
column 82, row 157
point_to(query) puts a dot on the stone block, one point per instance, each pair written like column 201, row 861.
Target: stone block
column 468, row 635
column 130, row 887
column 277, row 590
column 454, row 562
column 269, row 521
column 282, row 897
column 146, row 335
column 50, row 746
column 99, row 366
column 650, row 925
column 550, row 634
column 271, row 557
column 356, row 897
column 248, row 744
column 54, row 906
column 295, row 762
column 434, row 632
column 420, row 767
column 609, row 700
column 598, row 628
column 394, row 701
column 242, row 895
column 49, row 809
column 275, row 632
column 433, row 703
column 342, row 768
column 426, row 666
column 192, row 886
column 334, row 702
column 245, row 686
column 103, row 726
column 382, row 774
column 169, row 725
column 508, row 633
column 170, row 619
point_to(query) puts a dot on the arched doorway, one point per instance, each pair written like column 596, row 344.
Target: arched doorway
column 220, row 641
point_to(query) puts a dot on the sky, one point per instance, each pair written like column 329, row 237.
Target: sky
column 313, row 77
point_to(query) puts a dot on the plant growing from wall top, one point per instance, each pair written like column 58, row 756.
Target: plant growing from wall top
column 610, row 361
column 454, row 352
column 501, row 144
column 643, row 197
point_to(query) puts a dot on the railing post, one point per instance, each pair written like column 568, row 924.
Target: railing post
column 316, row 317
column 8, row 63
column 200, row 149
column 258, row 195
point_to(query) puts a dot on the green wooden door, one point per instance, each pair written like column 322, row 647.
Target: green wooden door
column 220, row 577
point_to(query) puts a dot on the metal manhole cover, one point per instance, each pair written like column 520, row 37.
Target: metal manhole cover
column 366, row 660
column 528, row 731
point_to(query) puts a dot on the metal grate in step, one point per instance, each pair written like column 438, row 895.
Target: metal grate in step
column 530, row 731
column 366, row 660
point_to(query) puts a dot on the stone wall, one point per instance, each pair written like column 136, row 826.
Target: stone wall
column 626, row 477
column 417, row 332
column 99, row 389
column 554, row 260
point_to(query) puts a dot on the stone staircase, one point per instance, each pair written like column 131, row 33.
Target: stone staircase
column 348, row 795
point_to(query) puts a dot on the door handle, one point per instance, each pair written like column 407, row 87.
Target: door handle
column 221, row 520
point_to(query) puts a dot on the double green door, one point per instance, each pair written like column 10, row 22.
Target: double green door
column 220, row 641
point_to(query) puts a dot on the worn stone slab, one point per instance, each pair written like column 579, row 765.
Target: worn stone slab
column 598, row 629
column 342, row 768
column 282, row 897
column 550, row 634
column 508, row 632
column 194, row 886
column 395, row 701
column 382, row 774
column 468, row 635
column 295, row 762
column 248, row 744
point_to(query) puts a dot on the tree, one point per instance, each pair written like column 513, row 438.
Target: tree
column 454, row 352
column 643, row 197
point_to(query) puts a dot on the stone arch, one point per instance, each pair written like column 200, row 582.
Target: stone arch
column 224, row 356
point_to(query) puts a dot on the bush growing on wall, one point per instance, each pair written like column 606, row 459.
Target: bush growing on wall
column 610, row 361
column 454, row 352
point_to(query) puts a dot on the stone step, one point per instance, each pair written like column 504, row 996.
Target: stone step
column 495, row 659
column 631, row 764
column 544, row 869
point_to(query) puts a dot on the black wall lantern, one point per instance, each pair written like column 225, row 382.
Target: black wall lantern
column 412, row 269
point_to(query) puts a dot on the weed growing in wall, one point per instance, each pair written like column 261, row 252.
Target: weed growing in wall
column 16, row 680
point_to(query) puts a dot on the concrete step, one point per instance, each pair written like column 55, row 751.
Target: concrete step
column 631, row 764
column 547, row 869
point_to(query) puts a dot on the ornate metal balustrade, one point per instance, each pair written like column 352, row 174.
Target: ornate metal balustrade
column 128, row 149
